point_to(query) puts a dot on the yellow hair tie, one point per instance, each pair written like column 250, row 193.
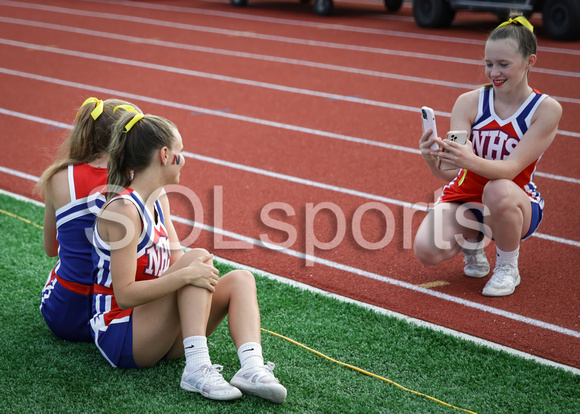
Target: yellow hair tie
column 518, row 20
column 98, row 108
column 126, row 108
column 133, row 121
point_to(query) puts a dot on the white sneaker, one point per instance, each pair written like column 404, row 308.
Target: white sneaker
column 476, row 264
column 208, row 381
column 260, row 381
column 503, row 282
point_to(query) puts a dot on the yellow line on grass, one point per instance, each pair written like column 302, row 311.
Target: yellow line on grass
column 367, row 373
column 21, row 218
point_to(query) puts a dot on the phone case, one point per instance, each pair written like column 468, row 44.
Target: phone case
column 428, row 121
column 458, row 136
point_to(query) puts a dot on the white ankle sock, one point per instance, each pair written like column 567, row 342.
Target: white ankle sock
column 196, row 352
column 508, row 257
column 250, row 355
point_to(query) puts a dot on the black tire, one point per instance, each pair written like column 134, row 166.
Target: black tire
column 561, row 19
column 433, row 13
column 393, row 5
column 239, row 3
column 323, row 7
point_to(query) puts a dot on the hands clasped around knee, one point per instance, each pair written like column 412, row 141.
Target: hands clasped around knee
column 202, row 273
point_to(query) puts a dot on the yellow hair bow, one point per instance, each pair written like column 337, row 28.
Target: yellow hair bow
column 518, row 20
column 133, row 121
column 98, row 108
column 126, row 108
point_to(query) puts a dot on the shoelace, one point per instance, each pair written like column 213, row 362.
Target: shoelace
column 501, row 272
column 212, row 373
column 472, row 257
column 266, row 371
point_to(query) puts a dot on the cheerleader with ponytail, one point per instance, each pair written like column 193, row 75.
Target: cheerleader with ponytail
column 491, row 191
column 71, row 187
column 154, row 301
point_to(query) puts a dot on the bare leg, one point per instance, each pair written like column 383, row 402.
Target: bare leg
column 235, row 296
column 510, row 213
column 436, row 240
column 157, row 325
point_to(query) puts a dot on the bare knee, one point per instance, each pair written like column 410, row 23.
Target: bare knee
column 243, row 278
column 498, row 195
column 425, row 253
column 238, row 282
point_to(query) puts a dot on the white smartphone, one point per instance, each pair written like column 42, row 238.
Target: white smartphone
column 428, row 119
column 458, row 136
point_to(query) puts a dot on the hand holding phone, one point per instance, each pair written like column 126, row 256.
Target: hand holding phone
column 428, row 120
column 457, row 136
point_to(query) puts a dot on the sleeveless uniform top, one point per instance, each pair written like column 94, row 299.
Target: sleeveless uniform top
column 494, row 138
column 74, row 223
column 153, row 257
column 66, row 299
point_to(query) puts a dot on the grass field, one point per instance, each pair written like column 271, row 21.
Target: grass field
column 39, row 373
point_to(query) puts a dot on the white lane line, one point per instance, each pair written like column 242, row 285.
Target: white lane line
column 287, row 177
column 321, row 25
column 252, row 35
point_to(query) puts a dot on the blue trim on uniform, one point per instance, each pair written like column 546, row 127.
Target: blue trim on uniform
column 535, row 220
column 521, row 119
column 66, row 313
column 126, row 359
column 486, row 109
column 537, row 216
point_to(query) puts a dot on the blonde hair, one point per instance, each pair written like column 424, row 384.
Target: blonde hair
column 88, row 140
column 132, row 151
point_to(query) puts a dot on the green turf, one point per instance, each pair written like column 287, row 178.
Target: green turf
column 39, row 373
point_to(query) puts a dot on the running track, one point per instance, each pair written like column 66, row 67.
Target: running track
column 317, row 118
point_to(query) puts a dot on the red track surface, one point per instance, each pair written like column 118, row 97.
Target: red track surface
column 542, row 317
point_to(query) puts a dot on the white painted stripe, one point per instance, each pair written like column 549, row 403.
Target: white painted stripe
column 22, row 198
column 303, row 181
column 400, row 316
column 310, row 183
column 254, row 56
column 557, row 177
column 234, row 53
column 227, row 32
column 282, row 176
column 195, row 73
column 381, row 278
column 18, row 174
column 377, row 309
column 227, row 79
column 322, row 25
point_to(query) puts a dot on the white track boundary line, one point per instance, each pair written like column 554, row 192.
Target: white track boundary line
column 235, row 53
column 377, row 309
column 218, row 113
column 278, row 175
column 252, row 35
column 188, row 72
column 254, row 56
column 319, row 25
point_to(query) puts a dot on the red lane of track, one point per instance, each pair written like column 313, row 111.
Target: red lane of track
column 308, row 156
column 467, row 74
column 245, row 194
